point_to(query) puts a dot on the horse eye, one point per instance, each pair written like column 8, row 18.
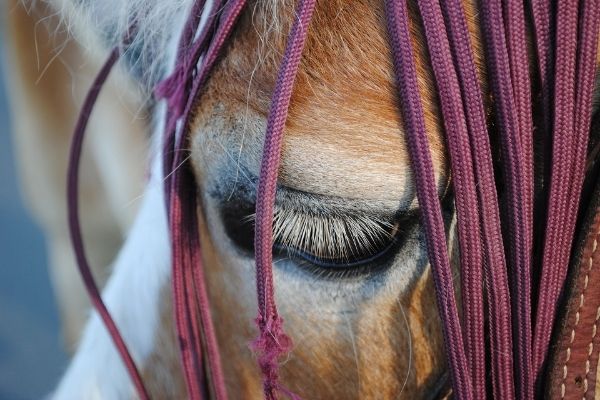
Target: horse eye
column 339, row 264
column 322, row 243
column 340, row 243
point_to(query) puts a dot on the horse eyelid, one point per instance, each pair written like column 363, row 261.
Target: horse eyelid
column 331, row 236
column 323, row 227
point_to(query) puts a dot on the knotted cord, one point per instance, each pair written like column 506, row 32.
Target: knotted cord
column 273, row 342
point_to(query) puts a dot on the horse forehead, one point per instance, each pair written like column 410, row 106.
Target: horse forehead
column 343, row 134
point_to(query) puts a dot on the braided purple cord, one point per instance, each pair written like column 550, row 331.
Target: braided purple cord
column 541, row 11
column 554, row 256
column 496, row 278
column 521, row 85
column 186, row 321
column 273, row 342
column 175, row 89
column 431, row 214
column 521, row 90
column 75, row 224
column 575, row 64
column 517, row 178
column 197, row 56
column 468, row 220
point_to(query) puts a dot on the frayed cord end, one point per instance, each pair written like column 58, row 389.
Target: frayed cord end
column 271, row 344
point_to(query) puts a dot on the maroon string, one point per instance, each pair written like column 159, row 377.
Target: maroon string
column 575, row 66
column 554, row 254
column 495, row 273
column 516, row 177
column 183, row 243
column 186, row 257
column 461, row 163
column 517, row 51
column 197, row 55
column 431, row 214
column 521, row 86
column 75, row 224
column 272, row 341
column 510, row 85
column 541, row 11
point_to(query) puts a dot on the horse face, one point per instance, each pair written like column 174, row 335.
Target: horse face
column 350, row 264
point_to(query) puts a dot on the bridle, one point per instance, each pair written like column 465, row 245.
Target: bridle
column 512, row 273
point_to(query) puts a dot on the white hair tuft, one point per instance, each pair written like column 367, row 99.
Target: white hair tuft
column 107, row 23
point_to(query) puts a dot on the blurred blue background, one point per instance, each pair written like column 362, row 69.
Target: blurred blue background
column 31, row 351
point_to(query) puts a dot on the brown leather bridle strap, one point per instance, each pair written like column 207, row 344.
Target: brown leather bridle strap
column 573, row 369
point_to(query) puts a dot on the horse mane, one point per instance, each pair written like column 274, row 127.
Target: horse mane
column 104, row 25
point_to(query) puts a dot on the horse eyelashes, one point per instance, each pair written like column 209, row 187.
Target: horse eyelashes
column 332, row 240
column 336, row 237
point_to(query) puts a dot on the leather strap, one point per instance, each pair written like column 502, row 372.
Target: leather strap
column 573, row 372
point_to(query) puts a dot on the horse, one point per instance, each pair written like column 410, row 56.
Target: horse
column 351, row 271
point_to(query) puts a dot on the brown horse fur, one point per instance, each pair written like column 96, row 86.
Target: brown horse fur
column 372, row 338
